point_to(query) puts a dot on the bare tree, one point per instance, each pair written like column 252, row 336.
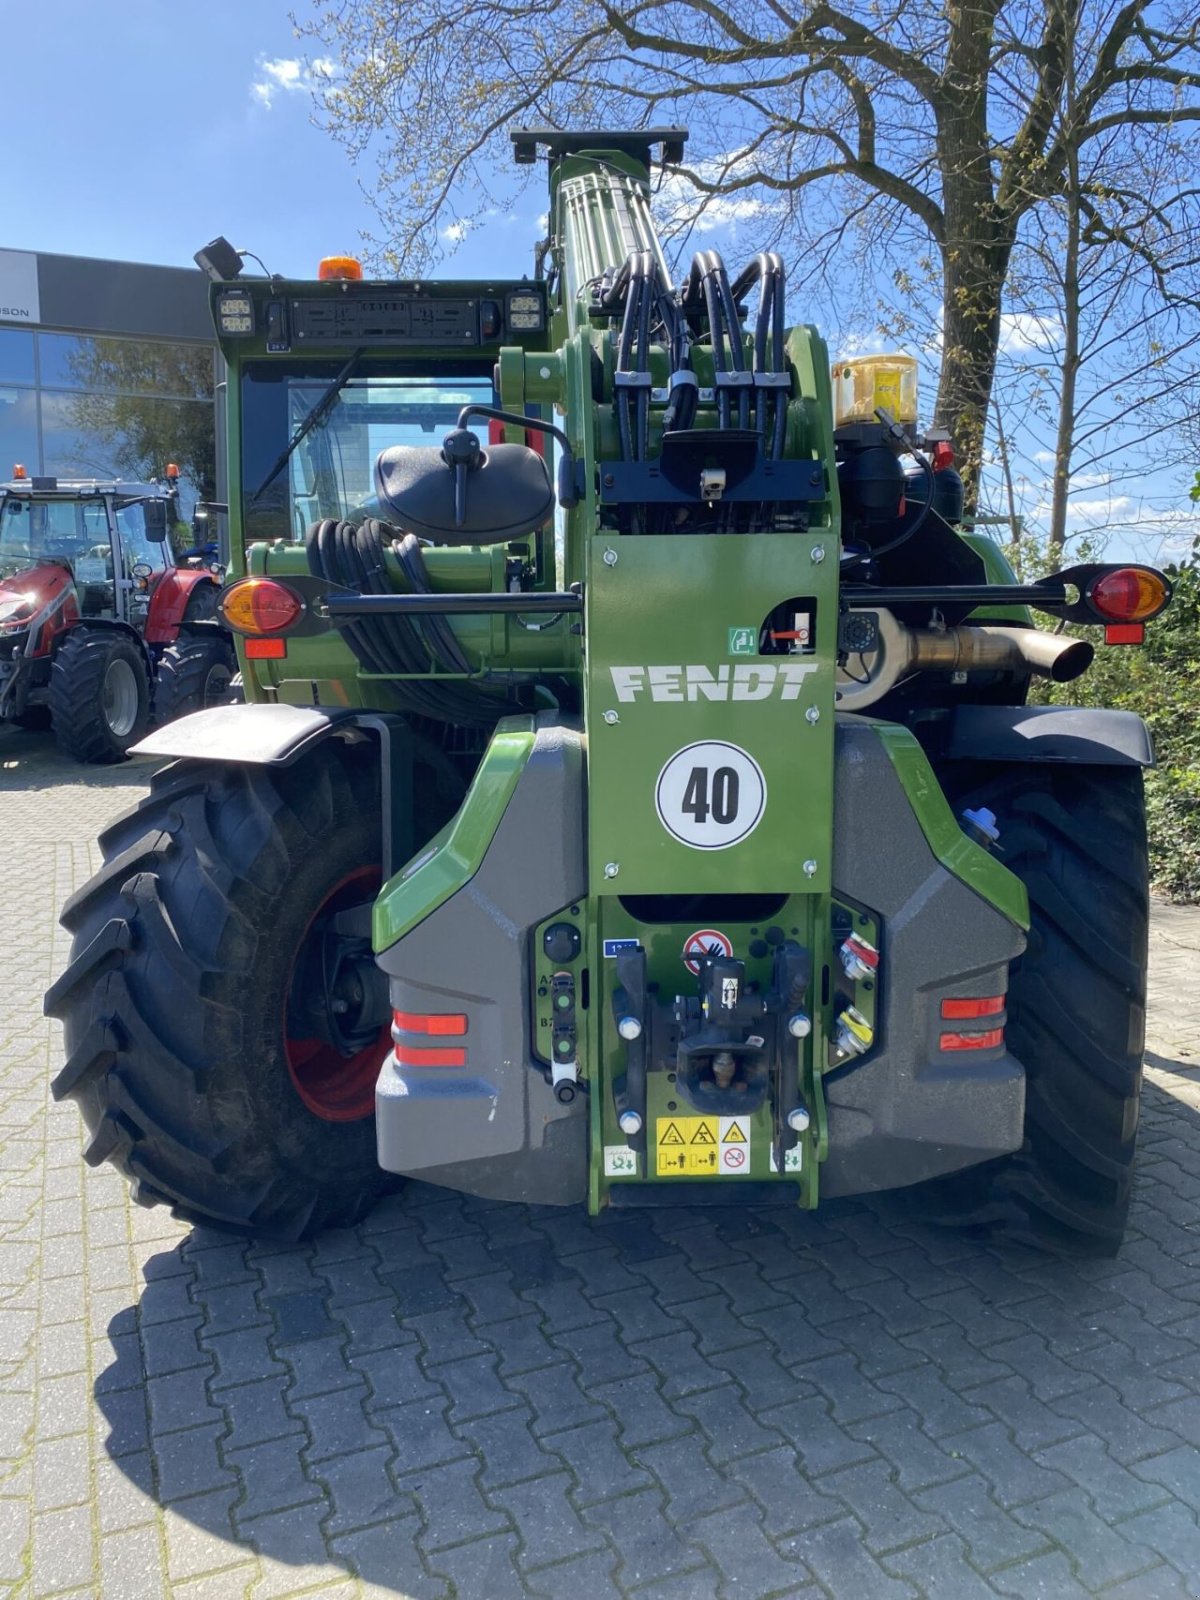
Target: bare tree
column 952, row 117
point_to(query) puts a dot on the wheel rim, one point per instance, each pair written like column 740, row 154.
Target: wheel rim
column 334, row 1086
column 120, row 697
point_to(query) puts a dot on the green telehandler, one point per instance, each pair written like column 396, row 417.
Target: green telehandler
column 636, row 801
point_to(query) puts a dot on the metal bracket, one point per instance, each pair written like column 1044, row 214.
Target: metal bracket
column 397, row 794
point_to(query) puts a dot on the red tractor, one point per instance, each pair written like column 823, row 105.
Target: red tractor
column 102, row 627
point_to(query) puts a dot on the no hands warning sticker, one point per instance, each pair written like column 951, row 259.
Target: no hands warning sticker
column 705, row 942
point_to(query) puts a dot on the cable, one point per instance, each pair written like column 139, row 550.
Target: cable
column 907, row 533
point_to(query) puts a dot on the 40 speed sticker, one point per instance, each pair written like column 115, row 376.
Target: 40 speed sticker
column 710, row 795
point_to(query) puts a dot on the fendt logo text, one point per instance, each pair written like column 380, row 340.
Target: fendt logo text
column 759, row 680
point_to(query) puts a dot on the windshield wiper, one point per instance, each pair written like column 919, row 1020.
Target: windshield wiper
column 317, row 415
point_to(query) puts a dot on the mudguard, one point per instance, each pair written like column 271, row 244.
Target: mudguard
column 169, row 601
column 261, row 735
column 1083, row 736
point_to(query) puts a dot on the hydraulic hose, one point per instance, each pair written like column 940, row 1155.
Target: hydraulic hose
column 353, row 557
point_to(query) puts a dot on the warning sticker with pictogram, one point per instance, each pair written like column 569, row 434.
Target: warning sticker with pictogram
column 686, row 1147
column 705, row 942
column 735, row 1135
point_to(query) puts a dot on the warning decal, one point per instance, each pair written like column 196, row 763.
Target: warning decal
column 700, row 1147
column 705, row 942
column 735, row 1145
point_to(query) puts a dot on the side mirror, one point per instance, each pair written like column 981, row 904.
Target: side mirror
column 156, row 520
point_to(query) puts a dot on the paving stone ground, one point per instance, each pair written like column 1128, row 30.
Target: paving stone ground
column 463, row 1401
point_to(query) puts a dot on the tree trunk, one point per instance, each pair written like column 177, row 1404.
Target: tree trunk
column 978, row 239
column 973, row 279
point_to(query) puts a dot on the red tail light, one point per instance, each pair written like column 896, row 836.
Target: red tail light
column 1128, row 594
column 972, row 1041
column 408, row 1055
column 449, row 1025
column 957, row 1010
column 260, row 605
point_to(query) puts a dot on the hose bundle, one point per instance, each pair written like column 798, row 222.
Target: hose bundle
column 353, row 556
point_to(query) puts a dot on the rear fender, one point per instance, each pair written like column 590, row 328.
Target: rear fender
column 1075, row 735
column 169, row 601
column 108, row 625
column 278, row 735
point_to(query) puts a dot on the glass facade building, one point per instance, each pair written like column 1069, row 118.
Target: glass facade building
column 107, row 370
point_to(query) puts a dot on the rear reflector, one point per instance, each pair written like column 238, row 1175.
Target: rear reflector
column 453, row 1025
column 408, row 1055
column 265, row 649
column 973, row 1041
column 1125, row 633
column 956, row 1010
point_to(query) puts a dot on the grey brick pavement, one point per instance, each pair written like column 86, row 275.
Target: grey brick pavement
column 460, row 1400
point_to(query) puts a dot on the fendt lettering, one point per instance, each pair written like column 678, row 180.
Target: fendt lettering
column 741, row 682
column 418, row 908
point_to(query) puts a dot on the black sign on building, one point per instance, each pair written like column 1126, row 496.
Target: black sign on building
column 107, row 369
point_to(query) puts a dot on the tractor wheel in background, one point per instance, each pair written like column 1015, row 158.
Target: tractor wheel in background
column 1076, row 837
column 99, row 694
column 224, row 1016
column 193, row 673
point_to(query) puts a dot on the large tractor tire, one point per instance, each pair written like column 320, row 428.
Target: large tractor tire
column 1076, row 836
column 223, row 1035
column 193, row 673
column 99, row 694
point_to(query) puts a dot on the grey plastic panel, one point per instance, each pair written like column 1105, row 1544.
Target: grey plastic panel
column 493, row 1128
column 1085, row 736
column 910, row 1112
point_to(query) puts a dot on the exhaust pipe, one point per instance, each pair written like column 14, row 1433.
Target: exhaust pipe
column 1049, row 655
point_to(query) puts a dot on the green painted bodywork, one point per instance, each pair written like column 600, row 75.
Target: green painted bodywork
column 958, row 853
column 452, row 857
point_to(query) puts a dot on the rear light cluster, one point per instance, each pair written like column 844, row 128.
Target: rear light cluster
column 260, row 605
column 972, row 1010
column 431, row 1025
column 1124, row 599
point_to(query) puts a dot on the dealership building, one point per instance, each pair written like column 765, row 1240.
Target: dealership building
column 106, row 369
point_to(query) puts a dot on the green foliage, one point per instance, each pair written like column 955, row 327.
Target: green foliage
column 1161, row 682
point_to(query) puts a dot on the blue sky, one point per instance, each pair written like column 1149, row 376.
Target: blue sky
column 141, row 129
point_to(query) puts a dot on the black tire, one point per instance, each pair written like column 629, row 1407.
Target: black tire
column 182, row 984
column 193, row 673
column 92, row 722
column 1076, row 836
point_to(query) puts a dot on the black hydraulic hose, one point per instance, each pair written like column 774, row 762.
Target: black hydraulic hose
column 779, row 357
column 354, row 557
column 629, row 320
column 704, row 266
column 440, row 636
column 907, row 533
column 646, row 305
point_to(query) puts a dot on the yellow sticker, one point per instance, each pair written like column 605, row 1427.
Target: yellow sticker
column 686, row 1147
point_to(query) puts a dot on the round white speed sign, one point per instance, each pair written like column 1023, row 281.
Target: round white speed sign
column 710, row 795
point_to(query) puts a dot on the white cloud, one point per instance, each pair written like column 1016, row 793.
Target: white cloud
column 290, row 75
column 1023, row 330
column 455, row 232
